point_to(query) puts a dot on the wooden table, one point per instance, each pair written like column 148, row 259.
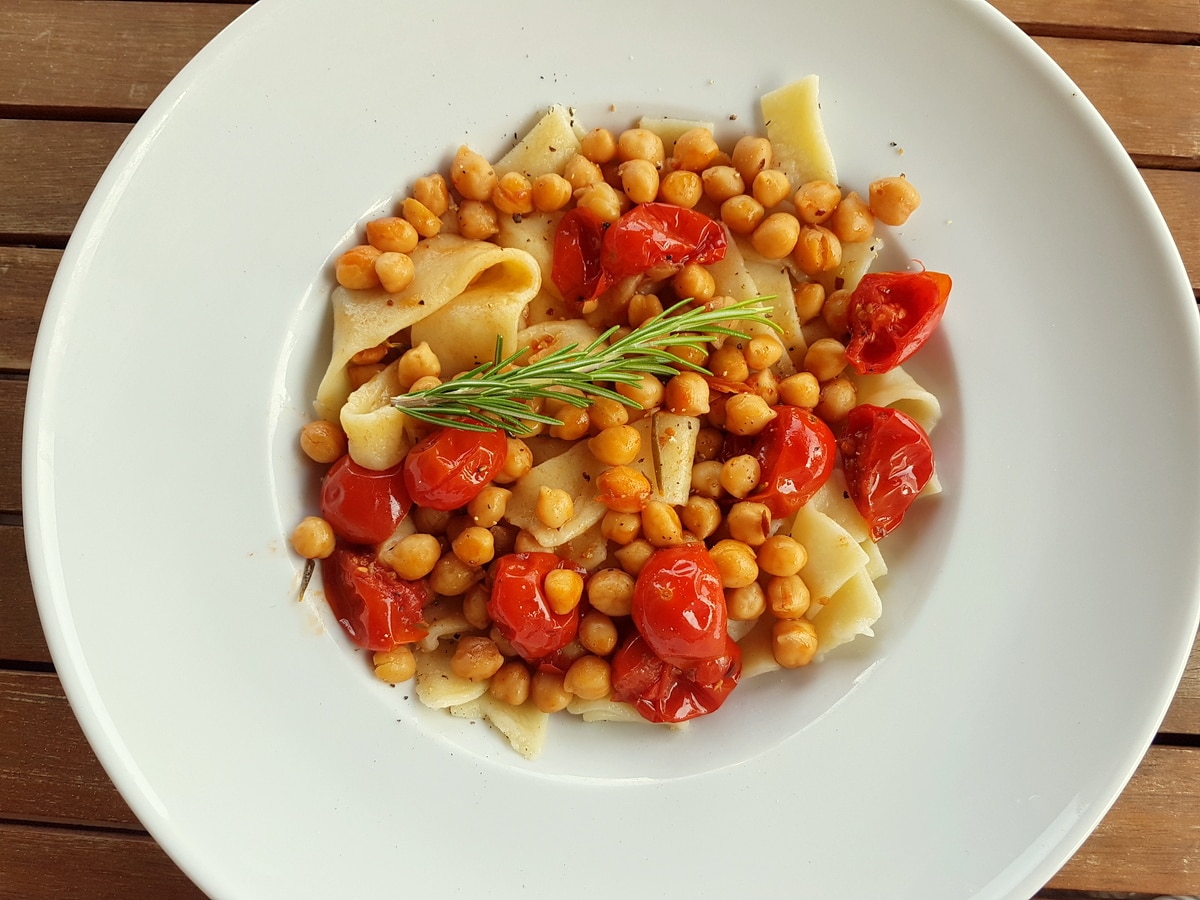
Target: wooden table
column 75, row 75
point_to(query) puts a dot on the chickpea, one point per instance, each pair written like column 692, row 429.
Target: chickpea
column 815, row 201
column 623, row 489
column 518, row 461
column 810, row 298
column 643, row 308
column 770, row 187
column 472, row 175
column 417, row 362
column 554, row 507
column 781, row 555
column 602, row 199
column 793, row 642
column 838, row 397
column 475, row 607
column 451, row 577
column 476, row 658
column 722, row 182
column 706, row 478
column 892, row 200
column 487, row 507
column 474, row 546
column 526, row 543
column 647, row 393
column 689, row 353
column 641, row 143
column 735, row 561
column 355, row 268
column 432, row 193
column 392, row 234
column 742, row 214
column 763, row 352
column 420, row 217
column 598, row 145
column 513, row 194
column 313, row 538
column 550, row 192
column 620, row 528
column 817, row 250
column 611, row 592
column 682, row 188
column 607, row 413
column 694, row 282
column 801, row 389
column 597, row 633
column 695, row 149
column 395, row 271
column 749, row 522
column 701, row 516
column 787, row 596
column 477, row 220
column 396, row 665
column 616, row 446
column 511, row 683
column 575, row 422
column 825, row 358
column 413, row 556
column 747, row 414
column 740, row 475
column 661, row 525
column 728, row 362
column 430, row 521
column 503, row 644
column 564, row 588
column 589, row 678
column 852, row 221
column 548, row 692
column 581, row 171
column 776, row 236
column 751, row 155
column 323, row 441
column 745, row 604
column 836, row 311
column 504, row 538
column 687, row 394
column 709, row 442
column 632, row 557
column 639, row 180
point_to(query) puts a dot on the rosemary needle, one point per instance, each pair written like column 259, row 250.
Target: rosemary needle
column 495, row 394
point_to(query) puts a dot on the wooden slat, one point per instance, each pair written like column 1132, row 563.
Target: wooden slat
column 108, row 58
column 1150, row 840
column 1164, row 21
column 21, row 638
column 66, row 864
column 25, row 277
column 12, row 411
column 1178, row 196
column 1183, row 717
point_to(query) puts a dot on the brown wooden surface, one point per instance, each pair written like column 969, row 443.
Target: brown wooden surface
column 75, row 73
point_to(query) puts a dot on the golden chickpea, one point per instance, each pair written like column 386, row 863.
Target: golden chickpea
column 589, row 678
column 623, row 489
column 742, row 214
column 611, row 592
column 787, row 596
column 355, row 269
column 747, row 414
column 392, row 234
column 513, row 194
column 548, row 692
column 323, row 441
column 893, row 200
column 474, row 546
column 728, row 362
column 793, row 642
column 770, row 187
column 641, row 143
column 801, row 389
column 639, row 180
column 564, row 589
column 689, row 354
column 836, row 311
column 815, row 201
column 751, row 155
column 371, row 354
column 775, row 237
column 554, row 507
column 597, row 633
column 360, row 375
column 487, row 507
column 477, row 220
column 745, row 604
column 810, row 299
column 598, row 145
column 313, row 538
column 740, row 475
column 451, row 577
column 396, row 665
column 606, row 413
column 526, row 543
column 430, row 521
column 632, row 557
column 433, row 193
column 647, row 393
column 575, row 422
column 395, row 271
column 511, row 683
column 413, row 556
column 550, row 192
column 682, row 188
column 701, row 516
column 616, row 446
column 475, row 607
column 643, row 308
column 735, row 561
column 722, row 182
column 782, row 554
column 749, row 522
column 694, row 282
column 602, row 199
column 420, row 217
column 518, row 461
column 763, row 352
column 686, row 394
column 838, row 397
column 709, row 442
column 620, row 528
column 476, row 658
column 661, row 525
column 581, row 171
column 706, row 478
column 417, row 362
column 852, row 221
column 472, row 175
column 825, row 358
column 817, row 250
column 695, row 149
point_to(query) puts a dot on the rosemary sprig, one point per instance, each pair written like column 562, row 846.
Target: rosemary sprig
column 493, row 394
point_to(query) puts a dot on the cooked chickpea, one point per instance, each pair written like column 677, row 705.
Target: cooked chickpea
column 838, row 397
column 752, row 155
column 313, row 538
column 740, row 475
column 643, row 308
column 430, row 521
column 815, row 201
column 706, row 478
column 513, row 194
column 722, row 182
column 472, row 175
column 424, row 383
column 747, row 414
column 749, row 522
column 474, row 546
column 575, row 422
column 782, row 554
column 392, row 234
column 623, row 489
column 476, row 658
column 554, row 507
column 589, row 678
column 852, row 221
column 413, row 556
column 417, row 362
column 371, row 354
column 763, row 352
column 810, row 299
column 395, row 271
column 477, row 220
column 742, row 214
column 564, row 588
column 360, row 375
column 632, row 557
column 728, row 362
column 517, row 462
column 801, row 389
column 709, row 442
column 735, row 561
column 694, row 282
column 616, row 446
column 689, row 355
column 526, row 543
column 602, row 199
column 893, row 200
column 686, row 394
column 817, row 250
column 433, row 193
column 451, row 577
column 598, row 145
column 605, row 413
column 620, row 528
column 647, row 392
column 420, row 217
column 396, row 665
column 641, row 143
column 511, row 683
column 825, row 358
column 581, row 171
column 836, row 311
column 775, row 237
column 597, row 633
column 355, row 268
column 770, row 187
column 475, row 607
column 639, row 180
column 550, row 192
column 745, row 604
column 788, row 596
column 611, row 592
column 682, row 188
column 323, row 441
column 548, row 693
column 487, row 507
column 695, row 149
column 793, row 642
column 661, row 525
column 700, row 515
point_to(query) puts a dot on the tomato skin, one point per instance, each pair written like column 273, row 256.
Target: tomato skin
column 679, row 606
column 378, row 609
column 892, row 315
column 888, row 461
column 796, row 451
column 589, row 256
column 661, row 692
column 363, row 506
column 519, row 608
column 450, row 466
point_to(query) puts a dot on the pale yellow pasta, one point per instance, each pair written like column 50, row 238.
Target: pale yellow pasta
column 834, row 556
column 437, row 685
column 443, row 618
column 850, row 612
column 378, row 435
column 534, row 233
column 525, row 726
column 545, row 148
column 772, row 279
column 792, row 115
column 604, row 710
column 673, row 450
column 900, row 390
column 575, row 472
column 669, row 129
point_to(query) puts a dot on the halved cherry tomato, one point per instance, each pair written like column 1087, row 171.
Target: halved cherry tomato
column 589, row 256
column 679, row 605
column 892, row 315
column 796, row 451
column 888, row 461
column 448, row 468
column 363, row 506
column 519, row 608
column 376, row 607
column 661, row 692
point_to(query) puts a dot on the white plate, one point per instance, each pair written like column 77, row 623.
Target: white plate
column 1034, row 630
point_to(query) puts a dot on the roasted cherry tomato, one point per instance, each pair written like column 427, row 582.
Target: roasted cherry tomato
column 679, row 605
column 661, row 692
column 363, row 506
column 378, row 608
column 519, row 608
column 452, row 465
column 892, row 315
column 888, row 461
column 589, row 256
column 796, row 451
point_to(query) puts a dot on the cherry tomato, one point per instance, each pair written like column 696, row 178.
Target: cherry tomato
column 661, row 692
column 888, row 461
column 679, row 605
column 363, row 506
column 451, row 466
column 589, row 256
column 892, row 315
column 796, row 451
column 519, row 608
column 376, row 607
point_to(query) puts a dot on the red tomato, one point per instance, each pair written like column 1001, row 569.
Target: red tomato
column 892, row 315
column 519, row 608
column 378, row 608
column 888, row 461
column 363, row 506
column 451, row 466
column 796, row 451
column 661, row 692
column 679, row 605
column 589, row 255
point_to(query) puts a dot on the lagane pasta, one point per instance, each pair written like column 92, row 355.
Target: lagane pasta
column 618, row 421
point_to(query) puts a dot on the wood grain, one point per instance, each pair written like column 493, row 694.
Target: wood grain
column 21, row 638
column 25, row 277
column 1164, row 21
column 12, row 412
column 1183, row 716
